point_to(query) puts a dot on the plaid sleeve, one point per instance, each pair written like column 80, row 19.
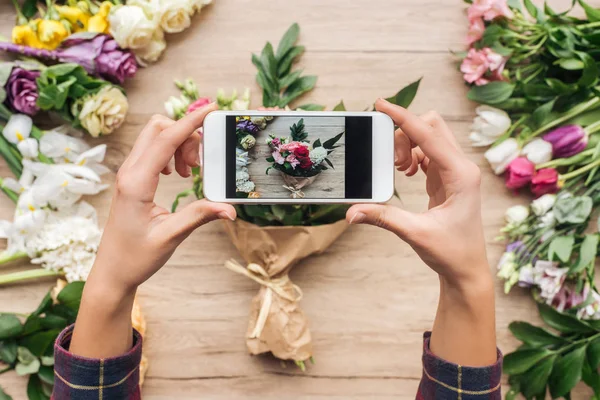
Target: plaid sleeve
column 87, row 378
column 445, row 380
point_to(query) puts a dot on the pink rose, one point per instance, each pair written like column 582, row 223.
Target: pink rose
column 475, row 31
column 291, row 147
column 489, row 10
column 278, row 157
column 201, row 102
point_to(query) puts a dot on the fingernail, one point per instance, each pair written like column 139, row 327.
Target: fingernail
column 226, row 215
column 357, row 218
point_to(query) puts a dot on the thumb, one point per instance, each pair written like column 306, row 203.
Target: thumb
column 195, row 215
column 388, row 217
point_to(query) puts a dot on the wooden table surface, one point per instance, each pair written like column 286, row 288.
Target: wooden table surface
column 369, row 297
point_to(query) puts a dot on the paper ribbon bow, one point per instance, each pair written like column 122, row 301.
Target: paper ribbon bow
column 277, row 285
column 296, row 193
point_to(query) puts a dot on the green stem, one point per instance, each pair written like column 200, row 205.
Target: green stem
column 561, row 162
column 568, row 115
column 6, row 257
column 579, row 171
column 590, row 25
column 27, row 275
column 21, row 19
column 593, row 128
column 5, row 370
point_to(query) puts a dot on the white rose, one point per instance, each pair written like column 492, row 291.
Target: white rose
column 131, row 27
column 542, row 205
column 489, row 124
column 538, row 151
column 175, row 15
column 516, row 214
column 102, row 112
column 152, row 52
column 500, row 156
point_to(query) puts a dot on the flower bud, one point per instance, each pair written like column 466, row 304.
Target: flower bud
column 516, row 215
column 520, row 171
column 543, row 204
column 538, row 151
column 567, row 140
column 544, row 181
column 501, row 156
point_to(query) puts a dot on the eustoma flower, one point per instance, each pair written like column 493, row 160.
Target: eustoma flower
column 567, row 140
column 197, row 104
column 519, row 173
column 543, row 204
column 102, row 112
column 482, row 66
column 476, row 29
column 21, row 90
column 489, row 10
column 489, row 124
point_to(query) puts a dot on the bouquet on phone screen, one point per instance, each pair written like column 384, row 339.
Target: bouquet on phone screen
column 298, row 161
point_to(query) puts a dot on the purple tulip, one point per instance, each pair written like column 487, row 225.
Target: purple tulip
column 21, row 91
column 567, row 140
column 248, row 126
column 100, row 55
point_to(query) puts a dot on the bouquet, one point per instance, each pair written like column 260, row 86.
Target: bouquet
column 138, row 25
column 273, row 238
column 536, row 72
column 67, row 90
column 298, row 161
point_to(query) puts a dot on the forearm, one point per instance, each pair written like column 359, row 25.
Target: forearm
column 103, row 326
column 464, row 331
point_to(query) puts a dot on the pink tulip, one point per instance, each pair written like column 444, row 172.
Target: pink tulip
column 489, row 10
column 475, row 31
column 201, row 102
column 519, row 173
column 544, row 181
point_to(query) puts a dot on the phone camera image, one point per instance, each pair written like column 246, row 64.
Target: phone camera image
column 303, row 157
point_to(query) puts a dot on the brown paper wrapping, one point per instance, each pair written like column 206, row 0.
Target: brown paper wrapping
column 295, row 184
column 270, row 252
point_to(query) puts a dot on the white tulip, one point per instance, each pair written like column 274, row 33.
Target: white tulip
column 547, row 220
column 543, row 204
column 131, row 27
column 500, row 156
column 516, row 215
column 538, row 151
column 489, row 124
column 28, row 148
column 18, row 128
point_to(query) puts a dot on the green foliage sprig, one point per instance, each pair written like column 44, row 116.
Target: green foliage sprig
column 28, row 346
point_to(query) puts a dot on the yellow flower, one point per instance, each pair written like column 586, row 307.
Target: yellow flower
column 25, row 35
column 99, row 22
column 51, row 33
column 77, row 17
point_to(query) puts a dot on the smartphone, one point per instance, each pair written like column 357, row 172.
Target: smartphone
column 298, row 157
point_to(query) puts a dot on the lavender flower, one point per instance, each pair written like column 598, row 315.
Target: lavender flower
column 248, row 126
column 100, row 55
column 567, row 140
column 22, row 91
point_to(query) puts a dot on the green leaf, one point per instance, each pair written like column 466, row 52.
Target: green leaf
column 47, row 97
column 298, row 88
column 567, row 372
column 4, row 395
column 47, row 361
column 589, row 77
column 268, row 61
column 533, row 383
column 514, row 4
column 531, row 8
column 311, row 107
column 59, row 70
column 35, row 390
column 587, row 253
column 45, row 304
column 562, row 322
column 285, row 64
column 570, row 64
column 542, row 114
column 492, row 93
column 39, row 342
column 533, row 335
column 46, row 375
column 10, row 326
column 340, row 106
column 70, row 296
column 573, row 210
column 51, row 321
column 520, row 361
column 406, row 95
column 317, row 143
column 287, row 41
column 8, row 351
column 329, row 162
column 28, row 363
column 593, row 353
column 32, row 324
column 29, row 8
column 592, row 13
column 590, row 376
column 562, row 247
column 278, row 211
column 328, row 144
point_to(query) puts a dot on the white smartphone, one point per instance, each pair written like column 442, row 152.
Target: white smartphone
column 298, row 157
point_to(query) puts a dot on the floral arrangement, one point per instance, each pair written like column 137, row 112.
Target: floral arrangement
column 536, row 72
column 138, row 25
column 273, row 238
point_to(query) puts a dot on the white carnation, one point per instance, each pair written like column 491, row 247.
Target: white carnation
column 242, row 175
column 317, row 155
column 246, row 187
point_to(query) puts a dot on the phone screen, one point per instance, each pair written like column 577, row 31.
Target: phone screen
column 299, row 157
